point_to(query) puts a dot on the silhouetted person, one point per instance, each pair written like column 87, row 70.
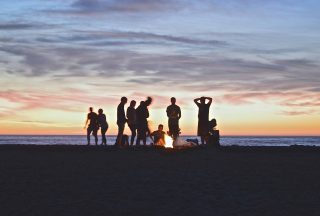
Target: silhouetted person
column 203, row 116
column 142, row 113
column 158, row 136
column 121, row 120
column 103, row 125
column 132, row 120
column 174, row 114
column 212, row 126
column 213, row 135
column 93, row 126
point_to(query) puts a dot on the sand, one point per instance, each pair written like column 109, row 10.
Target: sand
column 74, row 180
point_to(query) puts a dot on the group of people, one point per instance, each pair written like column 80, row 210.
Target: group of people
column 137, row 120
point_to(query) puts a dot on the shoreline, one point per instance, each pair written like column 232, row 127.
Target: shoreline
column 75, row 147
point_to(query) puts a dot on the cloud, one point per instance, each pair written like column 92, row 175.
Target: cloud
column 189, row 71
column 116, row 38
column 28, row 100
column 298, row 113
column 90, row 7
column 295, row 103
column 16, row 26
column 19, row 26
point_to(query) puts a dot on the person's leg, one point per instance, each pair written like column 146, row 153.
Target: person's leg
column 170, row 127
column 138, row 136
column 144, row 139
column 103, row 134
column 88, row 134
column 178, row 128
column 133, row 133
column 95, row 134
column 202, row 140
column 120, row 134
column 144, row 136
column 175, row 131
column 126, row 140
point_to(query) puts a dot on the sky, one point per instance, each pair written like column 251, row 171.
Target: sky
column 259, row 61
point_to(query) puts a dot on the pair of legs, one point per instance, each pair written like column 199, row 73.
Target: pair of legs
column 94, row 131
column 120, row 133
column 142, row 131
column 204, row 139
column 103, row 134
column 203, row 130
column 133, row 129
column 174, row 128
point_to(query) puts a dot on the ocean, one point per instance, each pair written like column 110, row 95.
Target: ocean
column 224, row 140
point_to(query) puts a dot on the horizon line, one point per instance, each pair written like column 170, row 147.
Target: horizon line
column 226, row 135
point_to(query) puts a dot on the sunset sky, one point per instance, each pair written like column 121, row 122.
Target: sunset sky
column 258, row 59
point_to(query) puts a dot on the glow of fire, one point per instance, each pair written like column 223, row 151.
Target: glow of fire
column 168, row 141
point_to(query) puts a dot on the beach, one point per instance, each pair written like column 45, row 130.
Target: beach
column 82, row 180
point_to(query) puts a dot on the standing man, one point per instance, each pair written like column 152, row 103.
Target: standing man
column 174, row 114
column 103, row 124
column 93, row 125
column 203, row 117
column 121, row 120
column 142, row 121
column 132, row 120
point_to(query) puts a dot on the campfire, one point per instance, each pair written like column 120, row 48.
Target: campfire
column 168, row 141
column 179, row 143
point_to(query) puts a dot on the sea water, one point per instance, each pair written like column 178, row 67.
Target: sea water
column 224, row 140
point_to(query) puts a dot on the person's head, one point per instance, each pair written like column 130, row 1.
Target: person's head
column 160, row 127
column 148, row 101
column 173, row 100
column 202, row 100
column 100, row 111
column 133, row 103
column 90, row 109
column 124, row 100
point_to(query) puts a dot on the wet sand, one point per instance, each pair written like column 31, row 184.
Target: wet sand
column 80, row 180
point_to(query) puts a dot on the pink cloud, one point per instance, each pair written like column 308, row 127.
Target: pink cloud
column 296, row 113
column 72, row 100
column 300, row 101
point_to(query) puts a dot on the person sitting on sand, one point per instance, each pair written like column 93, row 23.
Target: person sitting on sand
column 103, row 125
column 212, row 126
column 158, row 136
column 93, row 125
column 203, row 117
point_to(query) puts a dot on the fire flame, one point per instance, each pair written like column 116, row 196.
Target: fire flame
column 168, row 141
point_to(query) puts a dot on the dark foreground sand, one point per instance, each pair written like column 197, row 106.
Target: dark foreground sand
column 64, row 180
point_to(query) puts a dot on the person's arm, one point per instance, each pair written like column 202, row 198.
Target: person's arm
column 197, row 101
column 85, row 125
column 179, row 113
column 128, row 113
column 167, row 112
column 124, row 115
column 210, row 100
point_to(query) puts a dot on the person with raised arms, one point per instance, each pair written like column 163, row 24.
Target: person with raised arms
column 203, row 117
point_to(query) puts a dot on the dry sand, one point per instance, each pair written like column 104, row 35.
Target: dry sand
column 75, row 180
